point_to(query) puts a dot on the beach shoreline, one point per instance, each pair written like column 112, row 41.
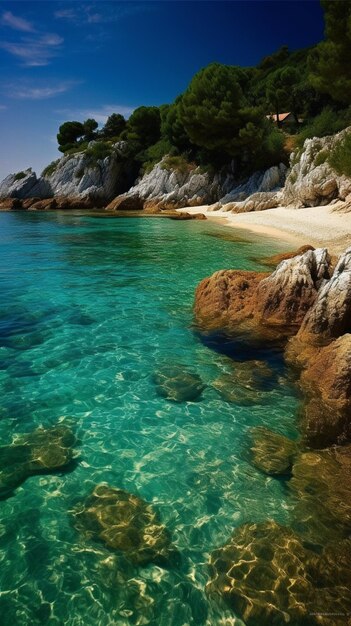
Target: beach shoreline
column 321, row 226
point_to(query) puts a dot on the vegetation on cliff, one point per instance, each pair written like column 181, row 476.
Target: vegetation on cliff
column 233, row 113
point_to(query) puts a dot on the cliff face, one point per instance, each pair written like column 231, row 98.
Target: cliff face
column 167, row 188
column 78, row 176
column 311, row 180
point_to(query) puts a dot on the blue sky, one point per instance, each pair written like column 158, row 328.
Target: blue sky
column 62, row 61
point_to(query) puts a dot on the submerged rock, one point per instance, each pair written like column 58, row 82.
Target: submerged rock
column 247, row 383
column 41, row 451
column 176, row 383
column 267, row 576
column 126, row 523
column 321, row 482
column 271, row 452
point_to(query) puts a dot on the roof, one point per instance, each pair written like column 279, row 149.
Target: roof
column 282, row 116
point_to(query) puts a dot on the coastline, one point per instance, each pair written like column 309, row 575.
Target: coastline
column 320, row 226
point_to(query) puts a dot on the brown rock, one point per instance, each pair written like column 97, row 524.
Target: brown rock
column 271, row 452
column 284, row 298
column 64, row 203
column 227, row 298
column 279, row 301
column 28, row 202
column 126, row 202
column 284, row 256
column 326, row 381
column 44, row 205
column 10, row 204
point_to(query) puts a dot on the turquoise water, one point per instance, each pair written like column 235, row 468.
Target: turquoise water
column 90, row 308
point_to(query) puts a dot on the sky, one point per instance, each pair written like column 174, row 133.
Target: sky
column 72, row 60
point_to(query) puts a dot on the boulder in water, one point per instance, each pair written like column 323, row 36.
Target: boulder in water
column 39, row 452
column 176, row 383
column 126, row 523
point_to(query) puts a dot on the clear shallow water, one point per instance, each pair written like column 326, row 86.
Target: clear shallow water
column 90, row 308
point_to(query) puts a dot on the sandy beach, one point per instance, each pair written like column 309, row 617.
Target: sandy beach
column 322, row 226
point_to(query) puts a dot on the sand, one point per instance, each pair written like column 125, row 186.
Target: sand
column 319, row 226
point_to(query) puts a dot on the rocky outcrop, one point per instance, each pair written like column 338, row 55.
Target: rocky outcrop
column 79, row 176
column 282, row 299
column 25, row 185
column 169, row 188
column 311, row 180
column 262, row 182
column 284, row 256
column 227, row 298
column 330, row 316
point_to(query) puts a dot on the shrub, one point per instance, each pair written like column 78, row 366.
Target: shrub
column 51, row 168
column 321, row 157
column 177, row 163
column 340, row 157
column 328, row 122
column 98, row 151
column 20, row 175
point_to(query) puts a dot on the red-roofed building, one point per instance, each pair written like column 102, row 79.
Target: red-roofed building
column 283, row 119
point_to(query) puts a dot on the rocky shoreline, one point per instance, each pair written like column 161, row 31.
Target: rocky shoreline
column 306, row 303
column 78, row 181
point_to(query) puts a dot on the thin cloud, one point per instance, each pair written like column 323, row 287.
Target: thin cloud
column 99, row 114
column 16, row 22
column 28, row 92
column 92, row 13
column 65, row 14
column 34, row 52
column 3, row 107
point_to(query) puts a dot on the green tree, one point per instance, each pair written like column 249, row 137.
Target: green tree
column 89, row 126
column 281, row 91
column 210, row 108
column 214, row 110
column 330, row 60
column 68, row 134
column 144, row 126
column 115, row 125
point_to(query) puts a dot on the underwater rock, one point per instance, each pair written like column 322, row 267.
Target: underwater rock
column 268, row 577
column 178, row 384
column 321, row 481
column 271, row 452
column 247, row 383
column 126, row 523
column 39, row 452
